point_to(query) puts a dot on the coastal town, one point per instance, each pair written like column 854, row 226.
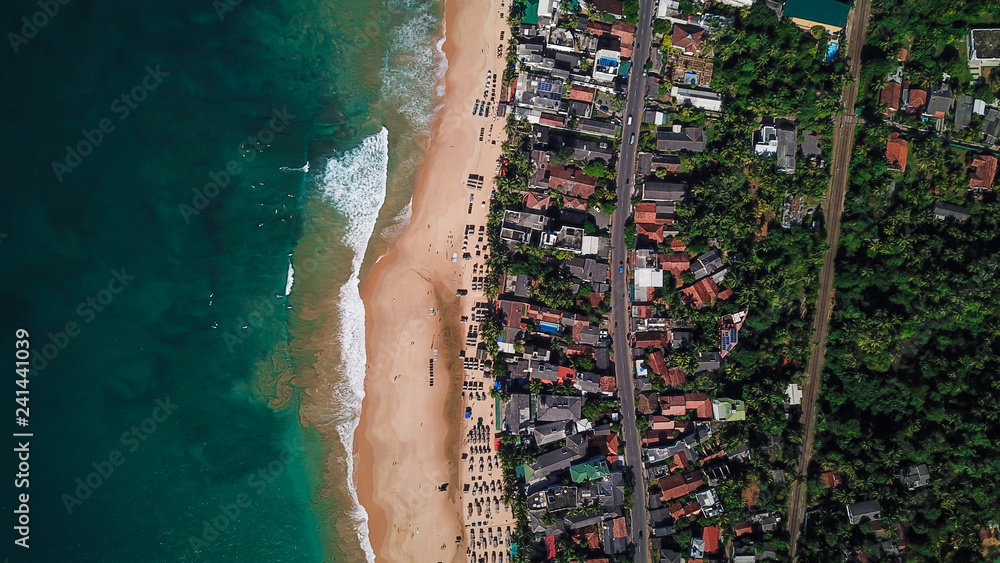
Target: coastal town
column 632, row 390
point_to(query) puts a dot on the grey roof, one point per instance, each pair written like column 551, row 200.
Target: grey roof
column 517, row 414
column 690, row 139
column 706, row 264
column 940, row 100
column 663, row 191
column 590, row 335
column 943, row 210
column 915, row 476
column 810, row 145
column 584, row 148
column 670, row 556
column 709, row 361
column 991, row 126
column 561, row 497
column 644, row 163
column 963, row 112
column 659, row 516
column 602, row 358
column 588, row 269
column 588, row 382
column 554, row 461
column 552, row 432
column 603, row 128
column 787, row 145
column 863, row 511
column 552, row 408
column 521, row 285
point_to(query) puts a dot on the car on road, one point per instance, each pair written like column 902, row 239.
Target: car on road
column 621, row 267
column 631, row 140
column 629, row 120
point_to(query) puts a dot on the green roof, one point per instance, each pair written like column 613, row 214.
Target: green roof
column 731, row 409
column 524, row 471
column 624, row 68
column 530, row 12
column 829, row 12
column 588, row 471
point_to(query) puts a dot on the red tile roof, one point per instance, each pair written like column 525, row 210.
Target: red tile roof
column 589, row 535
column 625, row 32
column 687, row 38
column 571, row 181
column 609, row 384
column 582, row 93
column 657, row 363
column 551, row 120
column 710, row 536
column 676, row 486
column 618, row 528
column 895, row 151
column 679, row 511
column 675, row 377
column 672, row 405
column 891, row 94
column 678, row 245
column 986, row 170
column 538, row 202
column 743, row 528
column 642, row 311
column 645, row 212
column 570, row 202
column 916, row 101
column 595, row 299
column 704, row 291
column 651, row 339
column 831, row 479
column 598, row 28
column 606, row 445
column 650, row 231
column 676, row 264
column 660, row 422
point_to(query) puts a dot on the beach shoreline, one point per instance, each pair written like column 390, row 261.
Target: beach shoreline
column 408, row 440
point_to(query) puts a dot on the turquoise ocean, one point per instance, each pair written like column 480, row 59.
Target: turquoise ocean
column 193, row 190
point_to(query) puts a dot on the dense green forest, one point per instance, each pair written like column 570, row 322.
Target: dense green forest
column 912, row 374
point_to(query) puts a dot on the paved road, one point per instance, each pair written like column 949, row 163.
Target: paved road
column 843, row 142
column 634, row 105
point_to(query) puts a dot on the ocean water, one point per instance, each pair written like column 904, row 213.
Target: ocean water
column 193, row 191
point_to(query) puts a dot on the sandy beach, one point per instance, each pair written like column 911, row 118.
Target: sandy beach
column 410, row 439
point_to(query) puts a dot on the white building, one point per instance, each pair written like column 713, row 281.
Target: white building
column 704, row 99
column 606, row 65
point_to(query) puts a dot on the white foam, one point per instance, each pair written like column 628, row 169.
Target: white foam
column 290, row 279
column 395, row 228
column 414, row 64
column 355, row 183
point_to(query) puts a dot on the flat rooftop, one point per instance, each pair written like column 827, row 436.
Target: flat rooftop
column 985, row 44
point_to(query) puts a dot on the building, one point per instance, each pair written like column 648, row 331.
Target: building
column 567, row 180
column 518, row 226
column 706, row 264
column 810, row 145
column 702, row 99
column 606, row 63
column 807, row 14
column 729, row 410
column 940, row 102
column 711, row 505
column 891, row 95
column 861, row 512
column 915, row 101
column 767, row 141
column 943, row 211
column 787, row 146
column 963, row 112
column 984, row 50
column 663, row 192
column 681, row 138
column 914, row 476
column 687, row 38
column 984, row 171
column 896, row 151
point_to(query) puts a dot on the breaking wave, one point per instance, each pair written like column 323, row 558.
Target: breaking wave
column 354, row 182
